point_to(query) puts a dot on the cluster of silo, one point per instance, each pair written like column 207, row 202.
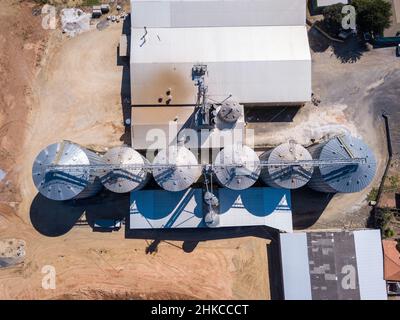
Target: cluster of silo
column 70, row 181
column 279, row 175
column 342, row 178
column 65, row 170
column 176, row 168
column 237, row 167
column 127, row 171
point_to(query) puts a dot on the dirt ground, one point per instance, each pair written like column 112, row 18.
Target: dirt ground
column 41, row 102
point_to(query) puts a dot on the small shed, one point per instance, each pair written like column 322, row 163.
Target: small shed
column 105, row 8
column 392, row 260
column 96, row 13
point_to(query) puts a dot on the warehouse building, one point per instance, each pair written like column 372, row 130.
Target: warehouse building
column 256, row 51
column 345, row 265
column 160, row 209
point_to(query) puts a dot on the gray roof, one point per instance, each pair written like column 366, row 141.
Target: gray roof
column 333, row 265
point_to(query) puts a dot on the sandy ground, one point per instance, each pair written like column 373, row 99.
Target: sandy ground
column 42, row 102
column 45, row 103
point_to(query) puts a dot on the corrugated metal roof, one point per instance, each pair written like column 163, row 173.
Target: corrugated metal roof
column 256, row 207
column 224, row 44
column 296, row 276
column 161, row 209
column 370, row 264
column 392, row 260
column 343, row 178
column 340, row 265
column 200, row 13
column 254, row 64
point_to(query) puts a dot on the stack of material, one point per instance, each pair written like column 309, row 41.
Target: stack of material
column 105, row 8
column 97, row 12
column 74, row 21
column 12, row 252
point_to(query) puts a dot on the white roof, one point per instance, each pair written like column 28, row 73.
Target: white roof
column 313, row 262
column 296, row 276
column 180, row 45
column 369, row 255
column 217, row 13
column 254, row 64
column 157, row 209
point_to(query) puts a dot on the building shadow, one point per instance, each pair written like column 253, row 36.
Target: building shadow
column 307, row 206
column 125, row 93
column 56, row 218
column 106, row 206
column 192, row 236
column 257, row 114
column 275, row 270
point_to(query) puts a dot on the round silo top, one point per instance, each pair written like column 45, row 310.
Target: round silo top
column 291, row 176
column 61, row 184
column 124, row 179
column 230, row 112
column 347, row 178
column 237, row 167
column 178, row 168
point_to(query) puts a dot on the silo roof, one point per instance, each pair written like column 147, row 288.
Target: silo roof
column 124, row 179
column 181, row 168
column 290, row 177
column 59, row 185
column 237, row 167
column 347, row 177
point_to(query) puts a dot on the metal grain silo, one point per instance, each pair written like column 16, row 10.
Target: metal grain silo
column 64, row 182
column 124, row 179
column 176, row 168
column 237, row 167
column 342, row 178
column 288, row 177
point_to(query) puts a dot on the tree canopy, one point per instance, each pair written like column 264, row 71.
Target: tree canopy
column 373, row 15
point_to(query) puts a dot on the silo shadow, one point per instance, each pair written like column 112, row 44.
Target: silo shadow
column 54, row 218
column 308, row 206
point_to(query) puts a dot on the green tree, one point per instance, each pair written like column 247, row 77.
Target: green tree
column 373, row 15
column 333, row 17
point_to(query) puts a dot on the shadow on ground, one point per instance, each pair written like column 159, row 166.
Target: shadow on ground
column 349, row 51
column 125, row 82
column 258, row 114
column 54, row 218
column 307, row 207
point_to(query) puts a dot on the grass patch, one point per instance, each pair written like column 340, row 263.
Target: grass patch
column 372, row 195
column 90, row 3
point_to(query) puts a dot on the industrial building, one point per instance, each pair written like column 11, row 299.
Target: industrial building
column 159, row 209
column 337, row 265
column 256, row 51
column 195, row 66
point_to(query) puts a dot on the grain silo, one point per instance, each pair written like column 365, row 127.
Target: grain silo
column 124, row 179
column 68, row 180
column 342, row 178
column 288, row 176
column 176, row 168
column 237, row 167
